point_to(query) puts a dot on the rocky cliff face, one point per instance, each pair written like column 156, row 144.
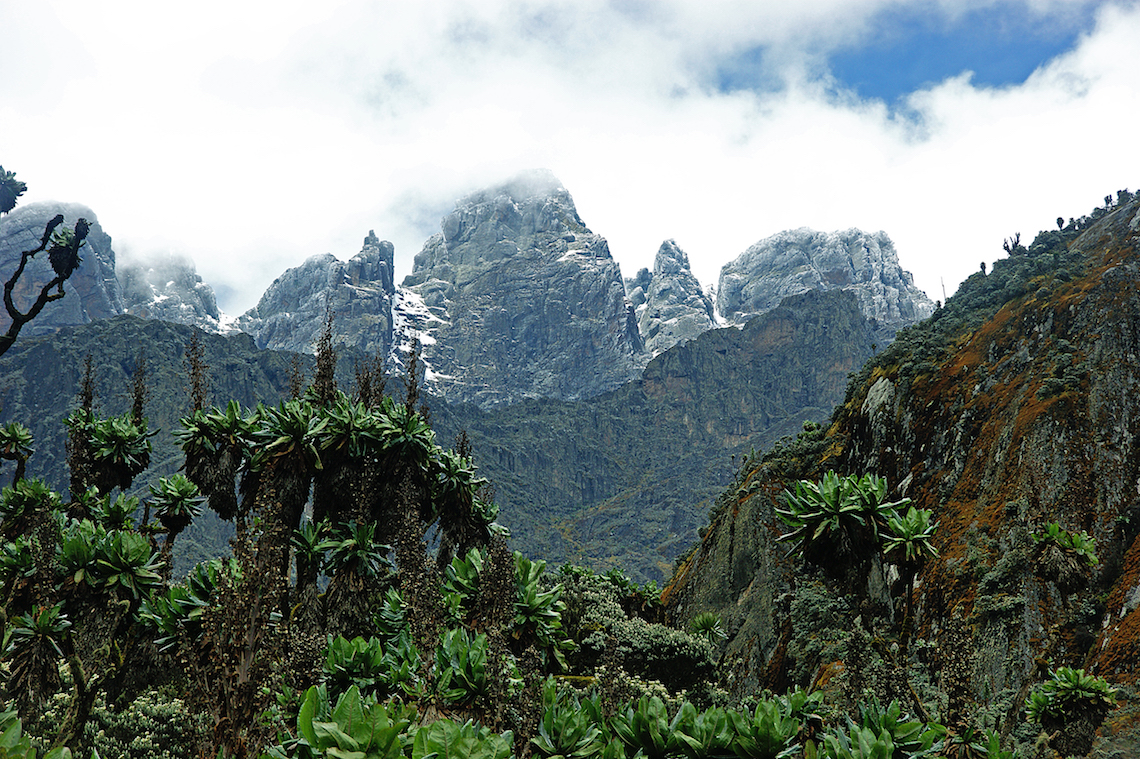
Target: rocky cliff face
column 672, row 308
column 525, row 301
column 627, row 477
column 1015, row 406
column 92, row 291
column 169, row 289
column 359, row 292
column 802, row 259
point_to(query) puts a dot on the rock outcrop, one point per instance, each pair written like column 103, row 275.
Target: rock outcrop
column 291, row 314
column 675, row 308
column 525, row 300
column 802, row 259
column 92, row 291
column 168, row 288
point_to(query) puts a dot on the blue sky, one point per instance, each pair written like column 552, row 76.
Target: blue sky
column 251, row 135
column 1001, row 45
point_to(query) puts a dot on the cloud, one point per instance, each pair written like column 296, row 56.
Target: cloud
column 250, row 136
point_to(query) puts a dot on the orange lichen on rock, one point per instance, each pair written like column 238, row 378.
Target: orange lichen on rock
column 1117, row 652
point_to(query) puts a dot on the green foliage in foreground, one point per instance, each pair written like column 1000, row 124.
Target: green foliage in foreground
column 1066, row 692
column 15, row 745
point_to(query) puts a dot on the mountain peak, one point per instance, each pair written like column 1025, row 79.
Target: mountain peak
column 798, row 260
column 92, row 291
column 523, row 299
column 674, row 308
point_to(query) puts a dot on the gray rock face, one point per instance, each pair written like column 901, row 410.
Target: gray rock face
column 636, row 289
column 291, row 313
column 169, row 289
column 92, row 291
column 802, row 259
column 522, row 300
column 676, row 309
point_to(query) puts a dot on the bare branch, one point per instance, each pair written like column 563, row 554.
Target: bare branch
column 64, row 257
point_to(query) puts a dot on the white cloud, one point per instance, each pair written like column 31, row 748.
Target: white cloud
column 251, row 135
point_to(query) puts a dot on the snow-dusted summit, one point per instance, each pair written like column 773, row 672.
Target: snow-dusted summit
column 803, row 259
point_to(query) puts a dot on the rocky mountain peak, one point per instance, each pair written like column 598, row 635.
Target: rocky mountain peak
column 674, row 308
column 291, row 313
column 797, row 260
column 523, row 299
column 168, row 288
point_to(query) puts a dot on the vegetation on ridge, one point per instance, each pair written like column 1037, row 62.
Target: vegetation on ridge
column 371, row 607
column 991, row 419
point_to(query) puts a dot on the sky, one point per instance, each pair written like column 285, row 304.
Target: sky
column 250, row 135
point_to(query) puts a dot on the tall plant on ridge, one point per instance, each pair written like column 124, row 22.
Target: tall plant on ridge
column 63, row 255
column 839, row 522
column 909, row 545
column 215, row 443
column 286, row 455
column 16, row 445
column 177, row 503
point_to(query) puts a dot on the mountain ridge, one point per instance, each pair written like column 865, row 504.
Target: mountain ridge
column 1013, row 407
column 514, row 298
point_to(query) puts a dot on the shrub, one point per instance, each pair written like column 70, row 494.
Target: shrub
column 1071, row 705
column 1064, row 557
column 837, row 518
column 1065, row 692
column 570, row 727
column 708, row 625
column 445, row 738
column 461, row 666
column 356, row 727
column 766, row 733
column 15, row 745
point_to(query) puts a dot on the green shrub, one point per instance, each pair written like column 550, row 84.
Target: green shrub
column 839, row 520
column 445, row 738
column 857, row 743
column 645, row 650
column 26, row 496
column 705, row 734
column 972, row 744
column 357, row 728
column 1066, row 691
column 1069, row 706
column 767, row 733
column 15, row 745
column 708, row 625
column 540, row 610
column 910, row 737
column 461, row 584
column 646, row 730
column 357, row 662
column 1066, row 558
column 571, row 727
column 461, row 666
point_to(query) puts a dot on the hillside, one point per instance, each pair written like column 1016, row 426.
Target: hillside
column 39, row 381
column 1012, row 407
